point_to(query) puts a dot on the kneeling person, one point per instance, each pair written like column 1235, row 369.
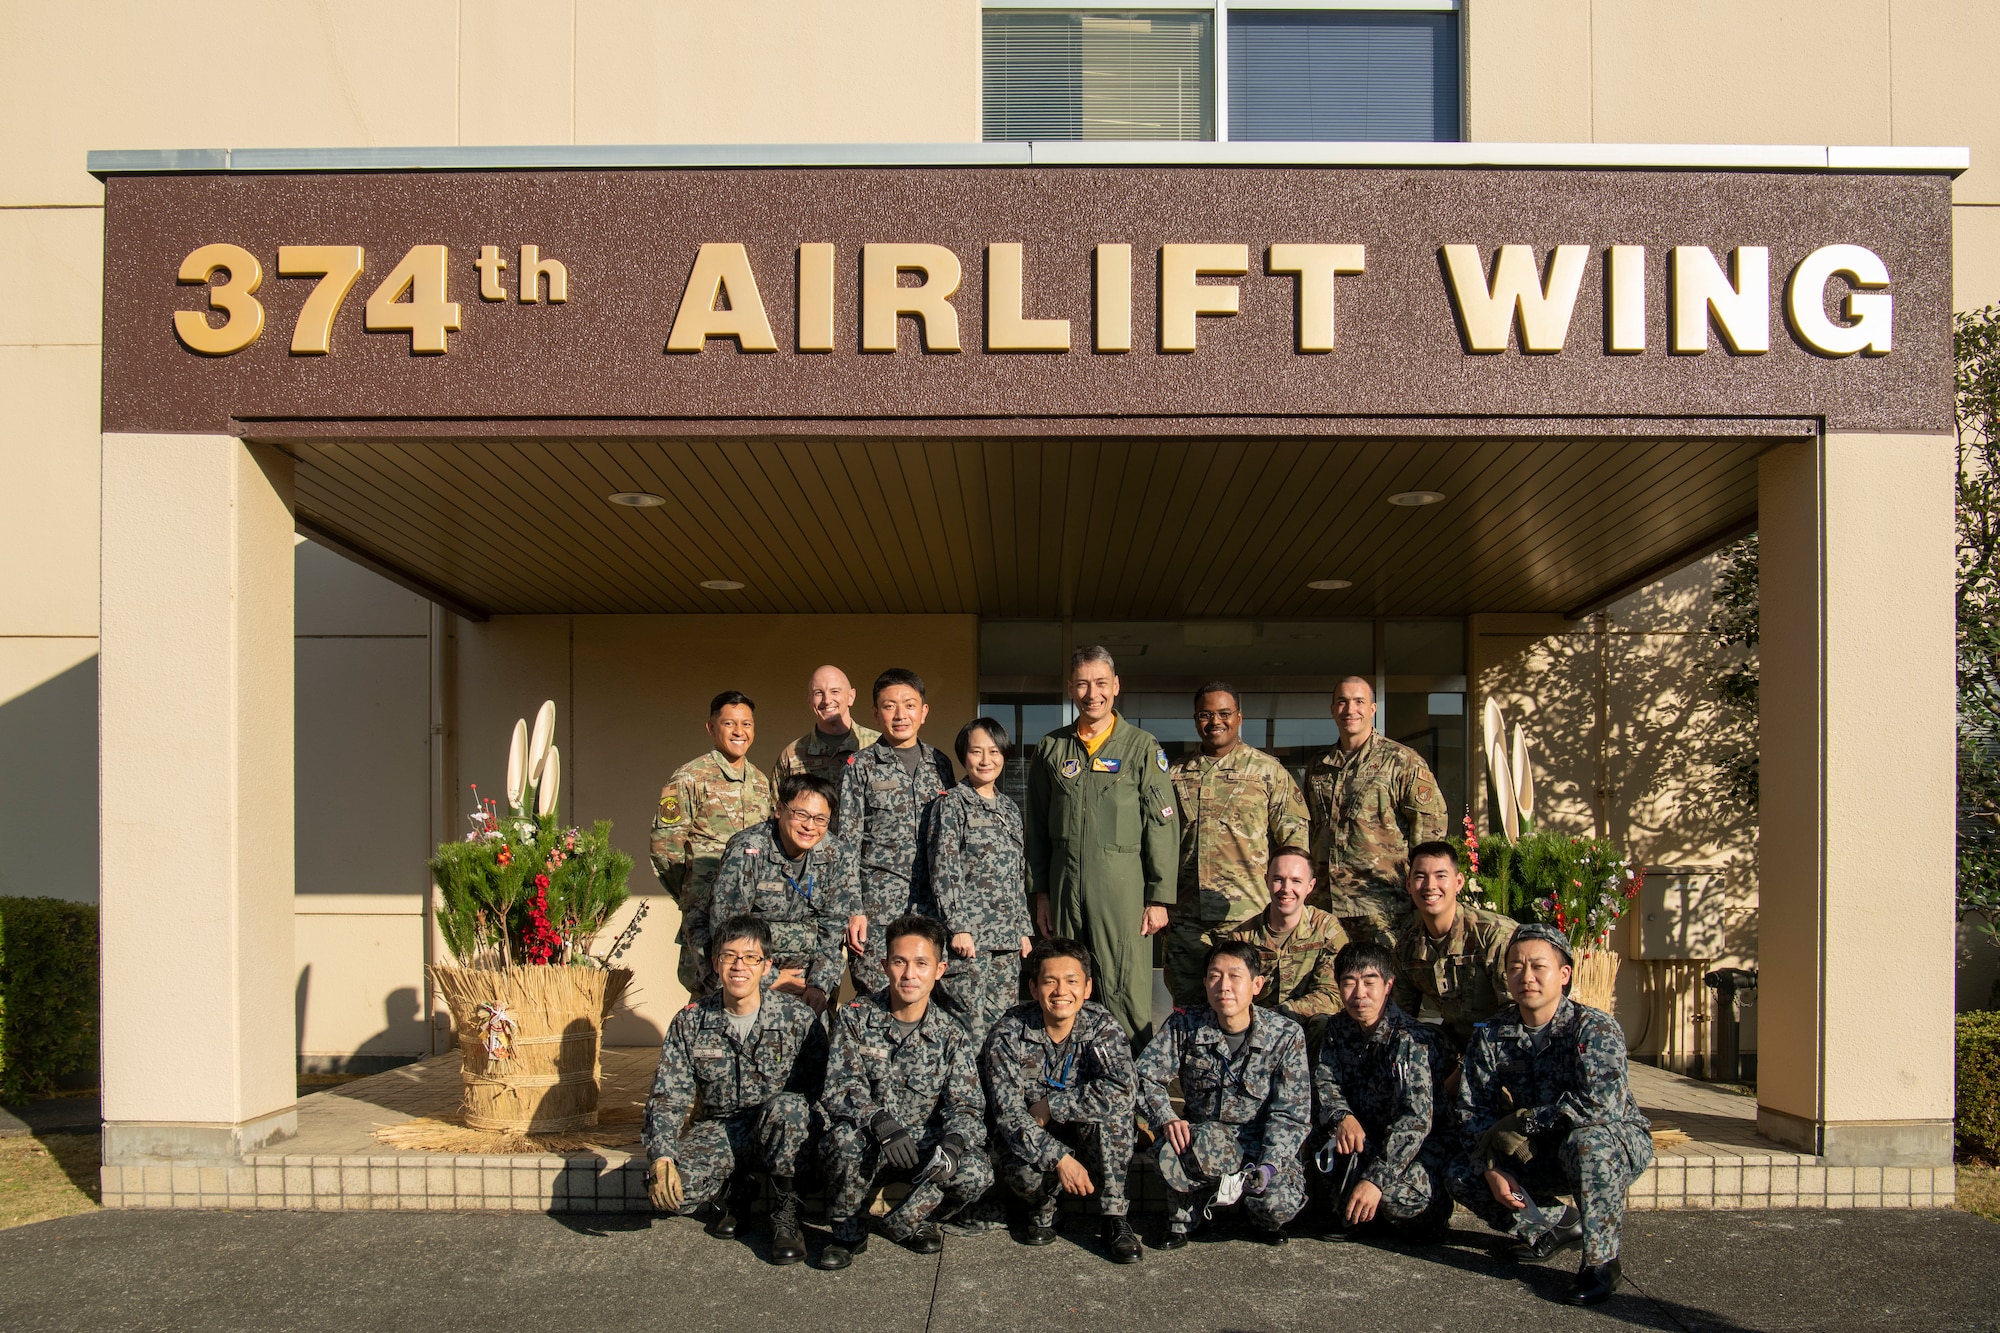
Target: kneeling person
column 732, row 1094
column 1248, row 1101
column 1059, row 1078
column 902, row 1102
column 1376, row 1081
column 786, row 872
column 1545, row 1105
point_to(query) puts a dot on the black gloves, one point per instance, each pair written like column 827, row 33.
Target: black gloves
column 897, row 1149
column 943, row 1161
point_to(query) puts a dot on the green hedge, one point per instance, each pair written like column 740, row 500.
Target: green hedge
column 1979, row 1086
column 48, row 994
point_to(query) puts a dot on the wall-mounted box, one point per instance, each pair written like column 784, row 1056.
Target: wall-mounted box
column 1681, row 913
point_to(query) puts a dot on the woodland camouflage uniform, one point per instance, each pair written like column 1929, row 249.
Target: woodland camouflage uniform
column 1369, row 807
column 1584, row 1129
column 704, row 804
column 1235, row 811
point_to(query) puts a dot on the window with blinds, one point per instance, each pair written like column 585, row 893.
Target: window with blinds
column 1341, row 74
column 1061, row 74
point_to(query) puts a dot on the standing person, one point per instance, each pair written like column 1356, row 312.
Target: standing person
column 705, row 803
column 884, row 791
column 1371, row 801
column 1237, row 806
column 902, row 1101
column 786, row 872
column 1102, row 840
column 979, row 880
column 1060, row 1082
column 1544, row 1104
column 1451, row 954
column 1295, row 946
column 738, row 1070
column 1377, row 1087
column 1248, row 1097
column 835, row 736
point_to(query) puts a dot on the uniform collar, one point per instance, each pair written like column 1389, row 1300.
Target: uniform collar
column 1035, row 1029
column 1335, row 757
column 884, row 753
column 715, row 1016
column 1261, row 1025
column 932, row 1013
column 1424, row 947
column 817, row 742
column 721, row 762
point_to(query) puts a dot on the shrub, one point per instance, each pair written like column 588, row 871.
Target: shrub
column 1979, row 1086
column 48, row 993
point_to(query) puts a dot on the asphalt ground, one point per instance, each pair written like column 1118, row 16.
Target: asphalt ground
column 438, row 1272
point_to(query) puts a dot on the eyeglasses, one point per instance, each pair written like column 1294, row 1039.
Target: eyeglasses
column 805, row 820
column 1220, row 715
column 732, row 956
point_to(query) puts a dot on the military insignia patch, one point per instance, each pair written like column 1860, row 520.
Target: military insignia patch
column 1160, row 758
column 1071, row 768
column 670, row 808
column 1166, row 812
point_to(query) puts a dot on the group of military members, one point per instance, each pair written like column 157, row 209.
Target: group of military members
column 1303, row 932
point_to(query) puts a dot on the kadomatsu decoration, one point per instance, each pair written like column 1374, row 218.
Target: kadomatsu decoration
column 521, row 902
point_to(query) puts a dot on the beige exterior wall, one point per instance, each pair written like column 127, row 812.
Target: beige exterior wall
column 632, row 698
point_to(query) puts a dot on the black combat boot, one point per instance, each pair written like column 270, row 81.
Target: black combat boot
column 1430, row 1226
column 849, row 1239
column 1041, row 1228
column 1567, row 1231
column 733, row 1208
column 1121, row 1240
column 788, row 1242
column 926, row 1237
column 1594, row 1283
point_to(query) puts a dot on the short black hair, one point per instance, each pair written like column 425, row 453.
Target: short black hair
column 726, row 699
column 912, row 923
column 1057, row 947
column 1364, row 956
column 1435, row 847
column 994, row 732
column 1219, row 687
column 742, row 926
column 794, row 785
column 898, row 676
column 1242, row 950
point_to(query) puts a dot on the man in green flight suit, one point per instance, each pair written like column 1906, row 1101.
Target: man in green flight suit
column 1103, row 841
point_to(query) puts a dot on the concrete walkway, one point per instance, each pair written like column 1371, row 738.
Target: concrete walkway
column 210, row 1272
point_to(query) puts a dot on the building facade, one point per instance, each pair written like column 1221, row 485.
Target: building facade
column 439, row 591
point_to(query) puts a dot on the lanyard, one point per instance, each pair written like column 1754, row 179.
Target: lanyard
column 806, row 892
column 1049, row 1077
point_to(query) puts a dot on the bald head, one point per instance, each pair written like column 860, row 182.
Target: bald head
column 832, row 699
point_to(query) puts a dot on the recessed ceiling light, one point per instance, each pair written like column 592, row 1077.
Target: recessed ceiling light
column 637, row 499
column 1414, row 499
column 1326, row 585
column 721, row 585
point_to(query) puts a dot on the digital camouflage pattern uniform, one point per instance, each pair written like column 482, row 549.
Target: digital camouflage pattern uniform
column 824, row 757
column 881, row 816
column 1091, row 1088
column 1368, row 809
column 1255, row 1109
column 1583, row 1124
column 979, row 887
column 1102, row 844
column 1388, row 1079
column 929, row 1081
column 1235, row 812
column 806, row 912
column 1464, row 974
column 1298, row 967
column 704, row 804
column 720, row 1103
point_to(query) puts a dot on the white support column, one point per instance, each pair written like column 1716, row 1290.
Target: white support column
column 195, row 690
column 1856, row 848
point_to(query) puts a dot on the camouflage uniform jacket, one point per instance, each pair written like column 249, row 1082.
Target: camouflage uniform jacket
column 1298, row 970
column 1235, row 811
column 881, row 813
column 1266, row 1087
column 1020, row 1065
column 707, row 1072
column 807, row 914
column 1388, row 1080
column 823, row 758
column 704, row 804
column 1577, row 1078
column 932, row 1074
column 1464, row 974
column 1368, row 809
column 978, row 877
